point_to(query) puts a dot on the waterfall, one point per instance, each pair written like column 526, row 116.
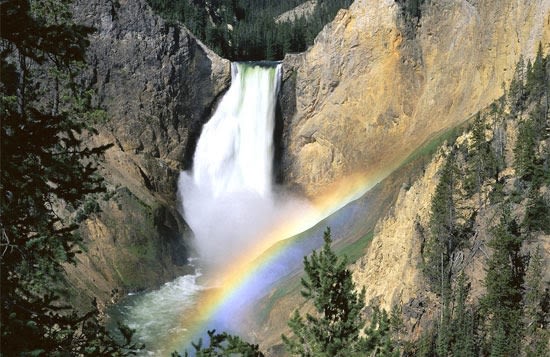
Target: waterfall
column 228, row 196
column 229, row 201
column 235, row 149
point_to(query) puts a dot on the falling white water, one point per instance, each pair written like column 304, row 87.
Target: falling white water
column 235, row 149
column 228, row 196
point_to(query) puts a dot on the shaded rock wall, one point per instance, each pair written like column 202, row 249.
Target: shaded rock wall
column 156, row 81
column 158, row 85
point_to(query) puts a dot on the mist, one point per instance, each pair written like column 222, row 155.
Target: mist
column 227, row 226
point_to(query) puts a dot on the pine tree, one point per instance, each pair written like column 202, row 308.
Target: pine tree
column 251, row 22
column 443, row 340
column 479, row 161
column 44, row 115
column 397, row 327
column 517, row 92
column 426, row 345
column 334, row 329
column 223, row 344
column 536, row 301
column 536, row 77
column 537, row 212
column 443, row 239
column 499, row 343
column 378, row 341
column 524, row 151
column 463, row 322
column 504, row 280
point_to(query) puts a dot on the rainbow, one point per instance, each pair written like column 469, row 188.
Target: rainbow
column 233, row 284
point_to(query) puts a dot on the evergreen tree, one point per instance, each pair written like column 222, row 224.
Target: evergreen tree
column 397, row 327
column 537, row 212
column 223, row 345
column 444, row 237
column 524, row 151
column 378, row 341
column 335, row 329
column 482, row 161
column 516, row 92
column 536, row 77
column 443, row 340
column 255, row 35
column 504, row 280
column 499, row 343
column 44, row 115
column 463, row 344
column 537, row 314
column 426, row 345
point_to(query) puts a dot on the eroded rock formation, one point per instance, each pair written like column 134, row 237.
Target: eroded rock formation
column 157, row 85
column 374, row 86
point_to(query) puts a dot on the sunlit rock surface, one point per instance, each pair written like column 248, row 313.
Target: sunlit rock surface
column 374, row 86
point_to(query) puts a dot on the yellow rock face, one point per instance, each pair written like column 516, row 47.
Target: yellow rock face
column 389, row 270
column 371, row 90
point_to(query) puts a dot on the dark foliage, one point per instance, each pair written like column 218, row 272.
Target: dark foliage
column 504, row 281
column 223, row 344
column 334, row 330
column 512, row 315
column 44, row 113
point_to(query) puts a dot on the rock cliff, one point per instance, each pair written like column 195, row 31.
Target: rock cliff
column 157, row 85
column 375, row 85
column 391, row 269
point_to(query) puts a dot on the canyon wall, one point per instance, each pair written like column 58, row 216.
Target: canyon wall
column 376, row 84
column 157, row 85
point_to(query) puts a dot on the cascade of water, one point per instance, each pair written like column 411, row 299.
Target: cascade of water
column 227, row 197
column 235, row 149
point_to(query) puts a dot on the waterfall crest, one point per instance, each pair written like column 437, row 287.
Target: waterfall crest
column 227, row 198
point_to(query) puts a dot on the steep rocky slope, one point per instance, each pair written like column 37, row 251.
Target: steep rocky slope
column 376, row 84
column 157, row 85
column 352, row 228
column 392, row 268
column 487, row 180
column 302, row 10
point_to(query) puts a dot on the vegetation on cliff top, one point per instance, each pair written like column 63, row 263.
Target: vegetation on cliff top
column 244, row 30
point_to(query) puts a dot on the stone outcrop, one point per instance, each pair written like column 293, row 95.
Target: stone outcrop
column 374, row 86
column 302, row 10
column 156, row 82
column 157, row 85
column 389, row 270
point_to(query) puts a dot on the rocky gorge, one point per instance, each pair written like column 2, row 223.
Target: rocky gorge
column 374, row 87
